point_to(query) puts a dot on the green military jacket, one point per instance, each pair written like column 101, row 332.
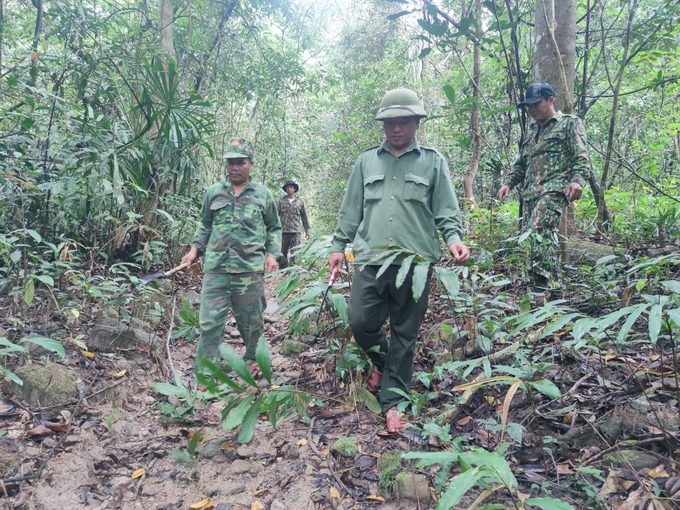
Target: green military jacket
column 398, row 201
column 293, row 215
column 558, row 158
column 236, row 234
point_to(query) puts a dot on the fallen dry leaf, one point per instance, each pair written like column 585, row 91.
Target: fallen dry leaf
column 334, row 493
column 659, row 472
column 120, row 374
column 464, row 421
column 302, row 442
column 258, row 492
column 523, row 497
column 564, row 469
column 256, row 505
column 40, row 430
column 59, row 428
column 205, row 504
column 89, row 354
column 138, row 473
column 373, row 497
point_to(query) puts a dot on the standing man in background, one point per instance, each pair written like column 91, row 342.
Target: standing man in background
column 399, row 194
column 293, row 218
column 552, row 164
column 240, row 236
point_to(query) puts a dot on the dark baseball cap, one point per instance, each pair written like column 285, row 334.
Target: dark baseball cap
column 536, row 92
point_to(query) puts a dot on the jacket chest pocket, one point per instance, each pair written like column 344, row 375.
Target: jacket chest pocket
column 223, row 211
column 415, row 188
column 374, row 188
column 554, row 143
column 252, row 215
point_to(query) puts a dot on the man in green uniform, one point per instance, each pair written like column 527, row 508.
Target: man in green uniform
column 293, row 218
column 240, row 236
column 553, row 160
column 399, row 194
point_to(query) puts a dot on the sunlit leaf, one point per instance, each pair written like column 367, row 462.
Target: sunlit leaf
column 334, row 493
column 138, row 473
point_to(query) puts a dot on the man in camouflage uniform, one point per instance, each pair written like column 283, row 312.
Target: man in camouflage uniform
column 399, row 194
column 293, row 218
column 553, row 160
column 240, row 236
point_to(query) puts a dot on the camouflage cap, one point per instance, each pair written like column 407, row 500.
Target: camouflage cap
column 238, row 148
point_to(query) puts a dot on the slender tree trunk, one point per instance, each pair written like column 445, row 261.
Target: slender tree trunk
column 2, row 24
column 616, row 88
column 474, row 119
column 165, row 28
column 36, row 40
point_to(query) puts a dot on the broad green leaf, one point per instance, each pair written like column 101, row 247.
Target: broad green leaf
column 339, row 303
column 36, row 237
column 582, row 326
column 11, row 376
column 424, row 52
column 655, row 314
column 403, row 271
column 426, row 459
column 458, row 487
column 9, row 347
column 450, row 93
column 549, row 504
column 449, row 279
column 398, row 15
column 369, row 399
column 605, row 259
column 221, row 376
column 446, row 328
column 386, row 264
column 250, row 422
column 168, row 389
column 559, row 324
column 47, row 280
column 264, row 359
column 674, row 315
column 54, row 346
column 29, row 292
column 237, row 364
column 420, row 279
column 502, row 109
column 236, row 416
column 492, row 460
column 546, row 387
column 629, row 323
column 672, row 285
column 15, row 256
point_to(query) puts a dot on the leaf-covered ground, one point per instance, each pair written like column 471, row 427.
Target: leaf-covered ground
column 591, row 427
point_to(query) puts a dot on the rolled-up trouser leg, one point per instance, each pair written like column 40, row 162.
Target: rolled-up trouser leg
column 368, row 311
column 215, row 304
column 249, row 302
column 406, row 316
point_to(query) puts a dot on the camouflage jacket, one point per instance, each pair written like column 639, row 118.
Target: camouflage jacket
column 398, row 201
column 235, row 233
column 291, row 213
column 558, row 158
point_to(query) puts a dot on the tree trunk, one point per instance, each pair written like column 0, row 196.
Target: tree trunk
column 36, row 40
column 165, row 29
column 555, row 63
column 469, row 177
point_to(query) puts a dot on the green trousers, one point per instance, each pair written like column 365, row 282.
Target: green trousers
column 542, row 217
column 244, row 294
column 371, row 302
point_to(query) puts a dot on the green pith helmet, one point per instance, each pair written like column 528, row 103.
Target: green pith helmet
column 400, row 103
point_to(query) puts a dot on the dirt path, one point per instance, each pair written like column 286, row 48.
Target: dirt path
column 121, row 430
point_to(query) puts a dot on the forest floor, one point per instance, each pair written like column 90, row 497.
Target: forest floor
column 609, row 441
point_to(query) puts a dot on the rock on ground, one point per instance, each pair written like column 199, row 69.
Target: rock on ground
column 45, row 385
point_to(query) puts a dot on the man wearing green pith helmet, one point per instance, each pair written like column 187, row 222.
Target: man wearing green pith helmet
column 240, row 236
column 399, row 194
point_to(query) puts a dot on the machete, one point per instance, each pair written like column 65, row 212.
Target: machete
column 325, row 294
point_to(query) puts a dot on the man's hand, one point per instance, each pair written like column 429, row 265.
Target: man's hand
column 308, row 234
column 270, row 264
column 335, row 261
column 460, row 252
column 190, row 257
column 574, row 191
column 503, row 192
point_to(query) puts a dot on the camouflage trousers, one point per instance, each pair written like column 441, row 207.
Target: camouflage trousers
column 541, row 219
column 243, row 293
column 289, row 240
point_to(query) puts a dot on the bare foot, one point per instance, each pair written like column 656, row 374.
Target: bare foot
column 395, row 421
